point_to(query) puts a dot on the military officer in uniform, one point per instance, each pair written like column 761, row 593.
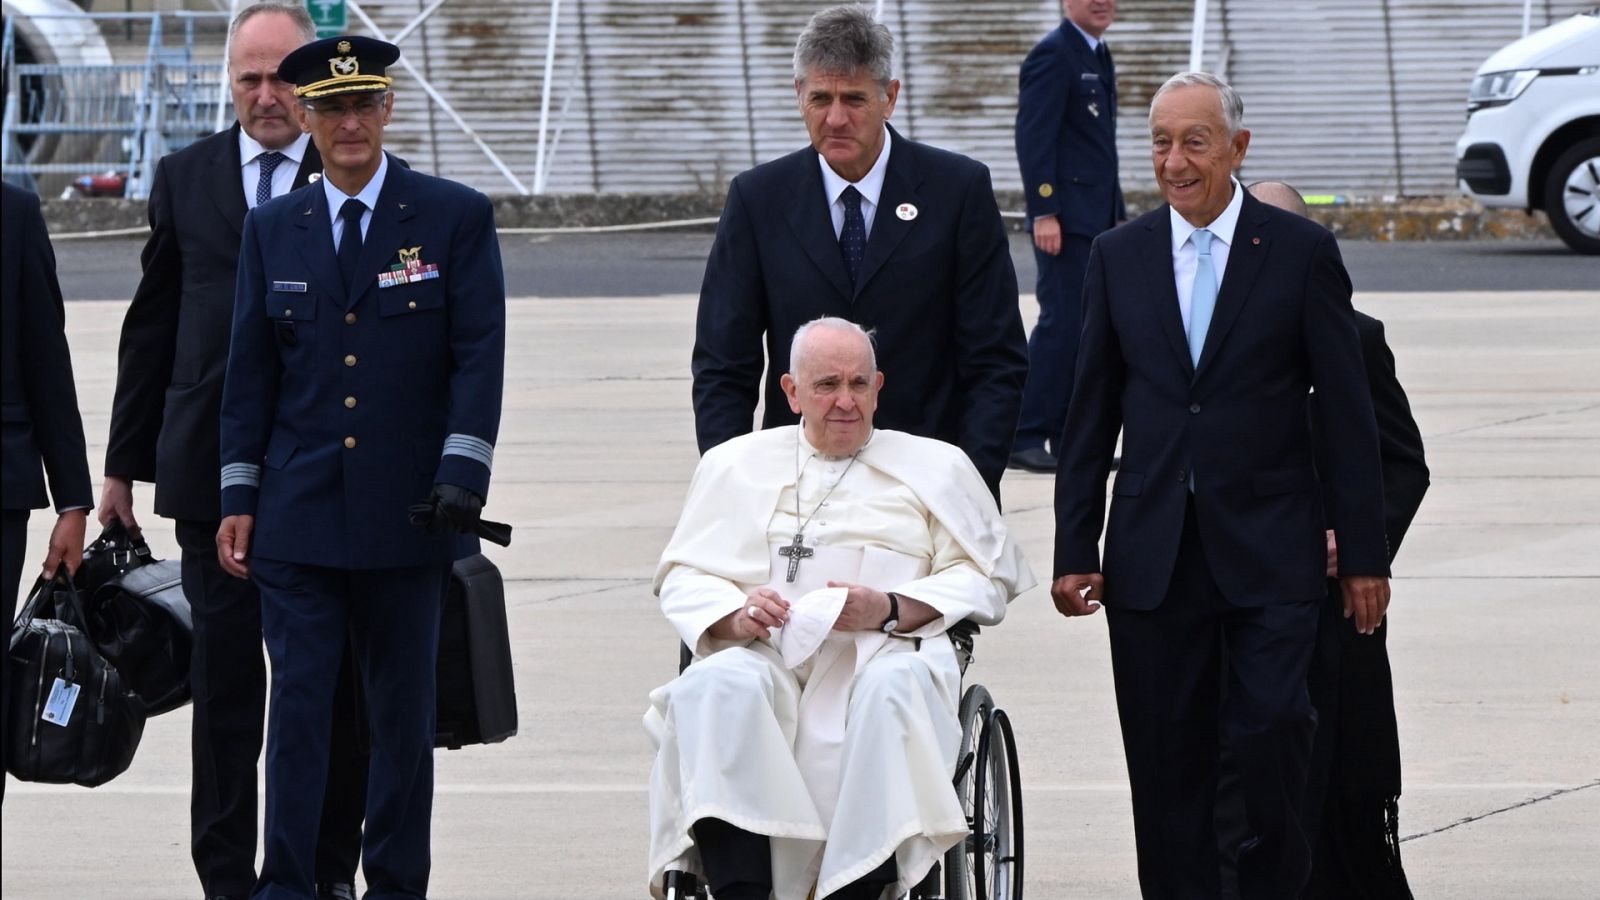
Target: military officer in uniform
column 164, row 429
column 364, row 376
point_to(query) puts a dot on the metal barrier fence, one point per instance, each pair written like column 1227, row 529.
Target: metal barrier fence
column 95, row 99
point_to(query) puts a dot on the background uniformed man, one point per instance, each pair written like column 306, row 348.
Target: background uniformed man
column 1067, row 152
column 365, row 375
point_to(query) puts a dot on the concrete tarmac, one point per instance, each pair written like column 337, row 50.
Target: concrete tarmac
column 1493, row 634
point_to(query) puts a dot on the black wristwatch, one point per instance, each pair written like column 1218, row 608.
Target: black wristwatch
column 893, row 622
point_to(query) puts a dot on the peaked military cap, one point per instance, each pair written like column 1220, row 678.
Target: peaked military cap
column 339, row 65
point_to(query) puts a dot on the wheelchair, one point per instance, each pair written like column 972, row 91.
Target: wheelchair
column 987, row 865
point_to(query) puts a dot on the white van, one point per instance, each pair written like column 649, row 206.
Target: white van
column 1533, row 129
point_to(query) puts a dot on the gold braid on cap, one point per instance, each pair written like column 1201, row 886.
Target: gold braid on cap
column 346, row 78
column 344, row 85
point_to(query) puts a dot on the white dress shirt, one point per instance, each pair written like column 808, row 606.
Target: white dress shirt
column 1185, row 258
column 870, row 186
column 250, row 151
column 368, row 197
column 1094, row 42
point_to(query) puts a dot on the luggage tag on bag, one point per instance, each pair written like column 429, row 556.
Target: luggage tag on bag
column 58, row 708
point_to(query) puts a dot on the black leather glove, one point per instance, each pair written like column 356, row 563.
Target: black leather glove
column 455, row 508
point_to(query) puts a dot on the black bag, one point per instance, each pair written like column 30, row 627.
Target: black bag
column 477, row 695
column 138, row 616
column 69, row 718
column 112, row 554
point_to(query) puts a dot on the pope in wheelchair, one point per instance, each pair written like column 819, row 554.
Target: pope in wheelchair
column 808, row 750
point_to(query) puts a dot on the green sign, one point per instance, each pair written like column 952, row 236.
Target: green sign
column 329, row 17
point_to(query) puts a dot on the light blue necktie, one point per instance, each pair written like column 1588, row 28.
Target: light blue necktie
column 1203, row 297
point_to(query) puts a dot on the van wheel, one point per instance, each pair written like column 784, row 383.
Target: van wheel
column 1572, row 196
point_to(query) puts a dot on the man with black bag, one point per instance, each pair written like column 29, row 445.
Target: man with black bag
column 41, row 420
column 164, row 428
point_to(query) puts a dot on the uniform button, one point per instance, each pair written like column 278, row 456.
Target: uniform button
column 349, row 318
column 350, row 443
column 288, row 312
column 1183, row 475
column 412, row 304
column 350, row 360
column 1194, row 407
column 349, row 403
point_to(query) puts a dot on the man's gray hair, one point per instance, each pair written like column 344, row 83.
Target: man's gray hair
column 830, row 323
column 1232, row 106
column 845, row 39
column 294, row 11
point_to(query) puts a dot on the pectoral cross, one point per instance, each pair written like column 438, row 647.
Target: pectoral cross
column 796, row 552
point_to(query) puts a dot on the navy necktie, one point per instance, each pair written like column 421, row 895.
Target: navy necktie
column 269, row 162
column 350, row 241
column 853, row 236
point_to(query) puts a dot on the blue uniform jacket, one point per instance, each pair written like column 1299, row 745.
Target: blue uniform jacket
column 1067, row 135
column 340, row 412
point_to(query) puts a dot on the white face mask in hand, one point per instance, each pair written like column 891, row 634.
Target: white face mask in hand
column 810, row 622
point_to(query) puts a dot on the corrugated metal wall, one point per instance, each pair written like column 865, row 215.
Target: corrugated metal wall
column 1362, row 97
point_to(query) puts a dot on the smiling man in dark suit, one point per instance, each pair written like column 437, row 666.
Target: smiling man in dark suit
column 896, row 236
column 164, row 428
column 1216, row 537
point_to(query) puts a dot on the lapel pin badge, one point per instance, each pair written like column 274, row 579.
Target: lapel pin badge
column 313, row 178
column 1094, row 109
column 905, row 212
column 1255, row 240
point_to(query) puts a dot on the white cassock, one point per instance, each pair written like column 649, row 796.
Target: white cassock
column 843, row 754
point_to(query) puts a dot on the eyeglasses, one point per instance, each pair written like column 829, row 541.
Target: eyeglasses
column 367, row 107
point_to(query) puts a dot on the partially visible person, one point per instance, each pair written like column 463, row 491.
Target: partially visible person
column 1352, row 801
column 364, row 377
column 165, row 429
column 809, row 749
column 43, row 432
column 1067, row 152
column 1208, row 321
column 900, row 237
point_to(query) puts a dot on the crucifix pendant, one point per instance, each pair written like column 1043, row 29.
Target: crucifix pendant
column 795, row 551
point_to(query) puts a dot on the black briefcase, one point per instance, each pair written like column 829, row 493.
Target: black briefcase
column 137, row 615
column 477, row 695
column 70, row 718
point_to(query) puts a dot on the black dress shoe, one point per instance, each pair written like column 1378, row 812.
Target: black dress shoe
column 1033, row 459
column 336, row 890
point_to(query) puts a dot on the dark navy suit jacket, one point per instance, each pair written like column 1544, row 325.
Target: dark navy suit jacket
column 1282, row 325
column 938, row 287
column 412, row 373
column 174, row 345
column 40, row 402
column 1068, row 153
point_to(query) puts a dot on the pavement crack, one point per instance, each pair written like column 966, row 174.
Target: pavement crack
column 1515, row 419
column 601, row 589
column 1504, row 809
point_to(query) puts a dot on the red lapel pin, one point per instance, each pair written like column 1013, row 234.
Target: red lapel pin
column 1255, row 240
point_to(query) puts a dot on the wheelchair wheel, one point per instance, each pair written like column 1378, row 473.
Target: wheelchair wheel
column 988, row 864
